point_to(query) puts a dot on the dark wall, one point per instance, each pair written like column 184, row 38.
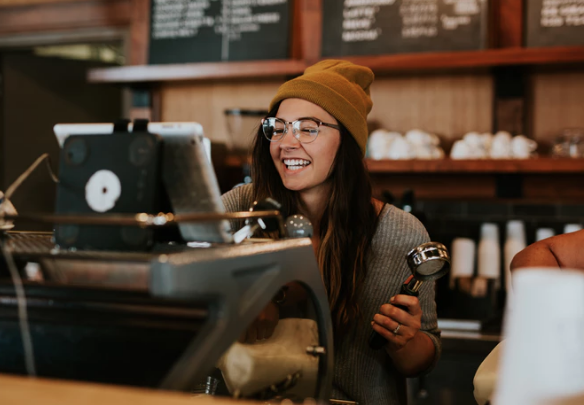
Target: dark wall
column 38, row 93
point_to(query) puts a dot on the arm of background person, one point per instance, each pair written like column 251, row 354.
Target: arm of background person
column 562, row 251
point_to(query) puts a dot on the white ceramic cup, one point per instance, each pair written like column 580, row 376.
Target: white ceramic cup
column 489, row 252
column 476, row 149
column 423, row 151
column 522, row 147
column 419, row 137
column 516, row 231
column 378, row 144
column 514, row 243
column 569, row 228
column 544, row 233
column 459, row 150
column 501, row 146
column 463, row 253
column 473, row 140
column 487, row 140
column 400, row 149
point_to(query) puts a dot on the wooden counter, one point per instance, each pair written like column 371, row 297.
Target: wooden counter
column 26, row 391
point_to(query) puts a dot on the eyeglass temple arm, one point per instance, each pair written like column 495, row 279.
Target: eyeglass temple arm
column 330, row 125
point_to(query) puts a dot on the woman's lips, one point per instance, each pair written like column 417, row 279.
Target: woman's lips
column 295, row 165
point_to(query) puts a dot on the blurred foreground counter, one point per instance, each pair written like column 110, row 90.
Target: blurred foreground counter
column 23, row 390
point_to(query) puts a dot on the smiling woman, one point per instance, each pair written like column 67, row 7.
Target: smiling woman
column 308, row 156
column 305, row 166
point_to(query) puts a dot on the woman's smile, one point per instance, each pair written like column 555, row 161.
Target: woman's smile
column 295, row 166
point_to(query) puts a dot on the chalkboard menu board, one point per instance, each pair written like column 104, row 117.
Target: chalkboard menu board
column 372, row 27
column 555, row 22
column 183, row 31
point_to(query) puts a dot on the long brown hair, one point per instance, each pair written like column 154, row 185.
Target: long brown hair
column 346, row 227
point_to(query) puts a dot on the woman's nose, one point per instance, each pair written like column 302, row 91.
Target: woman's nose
column 289, row 140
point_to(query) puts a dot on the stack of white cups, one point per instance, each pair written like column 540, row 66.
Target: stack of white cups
column 569, row 228
column 463, row 260
column 544, row 233
column 489, row 254
column 514, row 243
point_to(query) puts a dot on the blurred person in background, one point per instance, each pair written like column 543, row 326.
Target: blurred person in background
column 562, row 251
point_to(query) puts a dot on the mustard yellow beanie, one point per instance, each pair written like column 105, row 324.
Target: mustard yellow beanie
column 341, row 88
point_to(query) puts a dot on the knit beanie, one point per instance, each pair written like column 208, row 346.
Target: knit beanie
column 341, row 88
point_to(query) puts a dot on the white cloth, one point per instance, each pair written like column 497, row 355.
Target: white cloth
column 543, row 356
column 6, row 208
column 250, row 368
column 485, row 379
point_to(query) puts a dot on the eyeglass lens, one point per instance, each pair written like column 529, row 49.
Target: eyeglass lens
column 304, row 130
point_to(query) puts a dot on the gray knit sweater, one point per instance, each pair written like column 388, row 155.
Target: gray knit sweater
column 360, row 373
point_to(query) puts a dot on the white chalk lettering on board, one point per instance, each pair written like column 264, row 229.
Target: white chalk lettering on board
column 212, row 30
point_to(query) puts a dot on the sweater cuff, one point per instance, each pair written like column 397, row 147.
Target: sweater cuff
column 435, row 338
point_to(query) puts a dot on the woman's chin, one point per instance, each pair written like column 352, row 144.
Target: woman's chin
column 293, row 186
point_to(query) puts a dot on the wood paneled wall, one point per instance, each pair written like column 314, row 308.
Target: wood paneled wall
column 448, row 105
column 557, row 102
column 205, row 102
column 9, row 3
column 51, row 16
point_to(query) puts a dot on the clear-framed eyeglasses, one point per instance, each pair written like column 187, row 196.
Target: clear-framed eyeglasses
column 304, row 129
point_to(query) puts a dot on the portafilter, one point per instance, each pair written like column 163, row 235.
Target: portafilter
column 428, row 262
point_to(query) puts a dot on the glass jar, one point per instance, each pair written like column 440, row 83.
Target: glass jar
column 242, row 126
column 570, row 144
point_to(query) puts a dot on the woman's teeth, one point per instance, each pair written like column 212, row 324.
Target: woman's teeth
column 296, row 164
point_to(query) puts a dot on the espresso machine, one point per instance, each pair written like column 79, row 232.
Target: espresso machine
column 141, row 297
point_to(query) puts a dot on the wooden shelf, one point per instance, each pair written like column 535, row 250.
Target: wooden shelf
column 471, row 59
column 380, row 64
column 196, row 71
column 232, row 161
column 485, row 166
column 527, row 166
column 61, row 17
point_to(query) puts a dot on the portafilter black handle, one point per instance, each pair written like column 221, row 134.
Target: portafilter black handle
column 376, row 341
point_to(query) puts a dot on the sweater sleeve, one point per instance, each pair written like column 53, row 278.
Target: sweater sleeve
column 238, row 199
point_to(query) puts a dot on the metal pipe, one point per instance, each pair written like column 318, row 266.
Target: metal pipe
column 414, row 285
column 142, row 219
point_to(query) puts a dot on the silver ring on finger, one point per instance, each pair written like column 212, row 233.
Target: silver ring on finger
column 396, row 330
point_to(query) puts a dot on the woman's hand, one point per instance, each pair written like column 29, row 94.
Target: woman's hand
column 392, row 319
column 263, row 326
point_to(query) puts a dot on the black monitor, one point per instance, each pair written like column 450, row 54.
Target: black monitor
column 113, row 169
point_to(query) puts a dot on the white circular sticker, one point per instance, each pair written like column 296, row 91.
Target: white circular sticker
column 103, row 190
